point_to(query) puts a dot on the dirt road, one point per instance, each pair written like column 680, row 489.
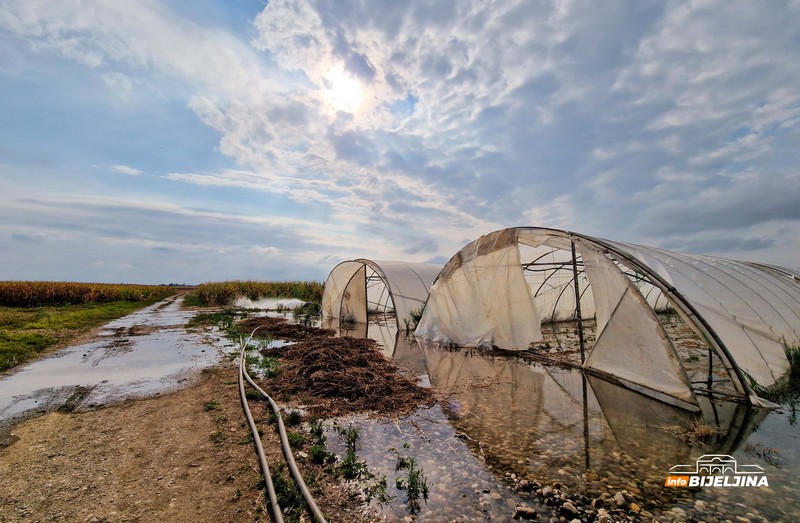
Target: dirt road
column 179, row 456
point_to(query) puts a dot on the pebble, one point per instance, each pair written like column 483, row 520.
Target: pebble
column 569, row 509
column 524, row 512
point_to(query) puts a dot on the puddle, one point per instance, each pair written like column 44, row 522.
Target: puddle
column 145, row 353
column 504, row 420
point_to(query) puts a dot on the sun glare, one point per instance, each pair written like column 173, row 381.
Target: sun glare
column 344, row 92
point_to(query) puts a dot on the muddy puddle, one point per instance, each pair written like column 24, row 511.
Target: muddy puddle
column 145, row 353
column 508, row 432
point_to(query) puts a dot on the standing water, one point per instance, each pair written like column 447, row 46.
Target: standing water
column 508, row 432
column 144, row 353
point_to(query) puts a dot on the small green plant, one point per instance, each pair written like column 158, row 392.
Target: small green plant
column 415, row 483
column 320, row 455
column 289, row 497
column 787, row 391
column 210, row 405
column 317, row 430
column 414, row 317
column 792, row 351
column 351, row 467
column 266, row 366
column 253, row 395
column 218, row 436
column 292, row 418
column 295, row 439
column 376, row 489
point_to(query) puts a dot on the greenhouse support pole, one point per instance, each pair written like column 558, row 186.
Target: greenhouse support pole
column 578, row 301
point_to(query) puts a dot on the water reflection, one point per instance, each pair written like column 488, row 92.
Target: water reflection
column 548, row 424
column 143, row 353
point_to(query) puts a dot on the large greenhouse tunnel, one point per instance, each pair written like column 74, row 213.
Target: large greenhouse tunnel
column 356, row 289
column 665, row 324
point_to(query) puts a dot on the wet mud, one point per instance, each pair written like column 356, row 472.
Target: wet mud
column 145, row 353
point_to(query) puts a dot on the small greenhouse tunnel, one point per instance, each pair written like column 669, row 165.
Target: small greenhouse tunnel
column 356, row 289
column 665, row 324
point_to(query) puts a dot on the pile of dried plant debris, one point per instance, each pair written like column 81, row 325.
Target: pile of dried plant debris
column 337, row 376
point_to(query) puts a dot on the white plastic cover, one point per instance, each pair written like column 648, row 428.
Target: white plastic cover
column 481, row 298
column 631, row 344
column 751, row 308
column 345, row 295
column 745, row 311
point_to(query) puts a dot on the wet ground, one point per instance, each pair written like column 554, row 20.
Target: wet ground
column 507, row 432
column 143, row 354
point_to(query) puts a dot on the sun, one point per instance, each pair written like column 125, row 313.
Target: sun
column 344, row 93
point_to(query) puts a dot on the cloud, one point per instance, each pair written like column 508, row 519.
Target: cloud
column 737, row 202
column 632, row 120
column 124, row 169
column 118, row 82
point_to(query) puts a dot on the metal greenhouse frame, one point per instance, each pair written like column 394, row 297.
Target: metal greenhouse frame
column 504, row 288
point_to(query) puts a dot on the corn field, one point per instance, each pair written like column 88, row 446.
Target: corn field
column 44, row 293
column 225, row 293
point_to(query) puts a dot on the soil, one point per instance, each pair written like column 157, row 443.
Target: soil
column 182, row 456
column 188, row 455
column 152, row 460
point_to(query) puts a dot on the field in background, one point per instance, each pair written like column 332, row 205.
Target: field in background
column 226, row 293
column 47, row 293
column 36, row 317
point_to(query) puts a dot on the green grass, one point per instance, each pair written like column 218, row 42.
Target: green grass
column 26, row 333
column 786, row 391
column 289, row 497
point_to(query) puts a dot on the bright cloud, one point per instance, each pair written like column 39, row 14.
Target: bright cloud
column 406, row 128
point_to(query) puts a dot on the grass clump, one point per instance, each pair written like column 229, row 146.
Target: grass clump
column 770, row 455
column 696, row 434
column 296, row 439
column 218, row 436
column 787, row 391
column 289, row 497
column 318, row 452
column 292, row 418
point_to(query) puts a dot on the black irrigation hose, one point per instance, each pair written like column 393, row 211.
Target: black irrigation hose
column 287, row 449
column 273, row 499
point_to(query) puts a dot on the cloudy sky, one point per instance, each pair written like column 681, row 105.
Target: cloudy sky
column 161, row 141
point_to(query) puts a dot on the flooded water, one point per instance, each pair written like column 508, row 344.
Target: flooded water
column 508, row 431
column 145, row 353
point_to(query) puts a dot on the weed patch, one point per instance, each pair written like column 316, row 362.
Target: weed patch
column 786, row 392
column 296, row 439
column 289, row 497
column 414, row 482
